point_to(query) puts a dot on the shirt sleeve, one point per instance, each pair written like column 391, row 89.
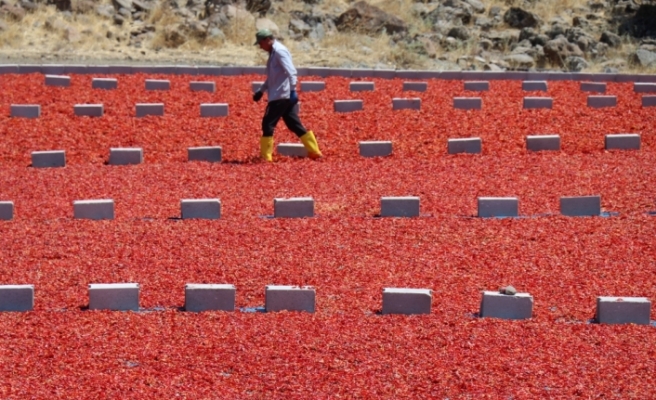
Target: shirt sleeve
column 285, row 59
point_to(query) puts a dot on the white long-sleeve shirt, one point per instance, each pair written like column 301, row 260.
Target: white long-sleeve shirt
column 280, row 72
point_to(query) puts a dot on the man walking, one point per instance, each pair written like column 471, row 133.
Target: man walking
column 280, row 85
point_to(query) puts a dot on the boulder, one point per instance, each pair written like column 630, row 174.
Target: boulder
column 644, row 58
column 518, row 18
column 118, row 4
column 476, row 5
column 575, row 64
column 450, row 15
column 61, row 5
column 519, row 61
column 368, row 19
column 610, row 39
column 459, row 32
column 642, row 24
column 13, row 12
column 299, row 27
column 557, row 50
column 106, row 11
column 260, row 7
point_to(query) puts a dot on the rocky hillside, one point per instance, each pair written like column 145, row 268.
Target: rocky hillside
column 572, row 35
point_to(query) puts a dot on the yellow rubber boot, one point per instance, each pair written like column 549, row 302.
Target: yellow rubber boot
column 310, row 143
column 266, row 148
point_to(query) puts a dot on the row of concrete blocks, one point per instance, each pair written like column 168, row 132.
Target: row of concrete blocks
column 97, row 110
column 622, row 141
column 303, row 207
column 324, row 72
column 405, row 301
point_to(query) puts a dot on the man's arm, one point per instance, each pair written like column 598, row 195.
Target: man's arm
column 285, row 59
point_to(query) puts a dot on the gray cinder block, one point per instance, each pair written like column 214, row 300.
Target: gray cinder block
column 292, row 150
column 16, row 297
column 104, row 83
column 214, row 110
column 406, row 104
column 295, row 207
column 202, row 87
column 594, row 87
column 120, row 69
column 145, row 109
column 48, row 159
column 477, row 86
column 399, row 206
column 384, row 73
column 9, row 69
column 125, row 155
column 623, row 141
column 543, row 142
column 649, row 101
column 200, row 208
column 498, row 207
column 362, row 86
column 406, row 301
column 499, row 305
column 531, row 86
column 415, row 86
column 93, row 209
column 114, row 296
column 375, row 148
column 538, row 102
column 289, row 298
column 602, row 101
column 255, row 86
column 464, row 145
column 467, row 103
column 347, row 105
column 25, row 110
column 58, row 80
column 209, row 297
column 313, row 86
column 644, row 87
column 6, row 210
column 580, row 206
column 158, row 84
column 206, row 153
column 259, row 70
column 232, row 71
column 623, row 310
column 89, row 110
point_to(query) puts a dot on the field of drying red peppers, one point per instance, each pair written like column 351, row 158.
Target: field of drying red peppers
column 346, row 349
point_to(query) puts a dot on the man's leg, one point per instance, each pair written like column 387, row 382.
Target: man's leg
column 274, row 111
column 294, row 124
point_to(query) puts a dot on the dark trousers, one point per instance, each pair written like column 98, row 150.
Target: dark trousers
column 284, row 109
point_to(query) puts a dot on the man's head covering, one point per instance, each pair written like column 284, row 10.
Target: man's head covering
column 262, row 34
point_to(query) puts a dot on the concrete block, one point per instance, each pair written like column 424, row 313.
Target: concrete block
column 295, row 207
column 125, row 155
column 594, row 87
column 451, row 75
column 538, row 102
column 48, row 159
column 625, row 78
column 104, row 83
column 210, row 71
column 158, row 84
column 120, row 69
column 8, row 69
column 93, row 209
column 477, row 86
column 318, row 71
column 314, row 86
column 114, row 296
column 255, row 86
column 375, row 148
column 29, row 69
column 260, row 70
column 644, row 87
column 406, row 104
column 580, row 206
column 209, row 297
column 399, row 206
column 649, row 101
column 465, row 145
column 58, row 80
column 6, row 210
column 543, row 142
column 16, row 297
column 214, row 110
column 146, row 109
column 504, row 306
column 385, row 73
column 301, row 71
column 342, row 72
column 207, row 153
column 646, row 78
column 53, row 69
column 534, row 86
column 625, row 141
column 232, row 71
column 347, row 105
column 523, row 75
column 292, row 150
column 406, row 301
column 25, row 110
column 467, row 103
column 202, row 87
column 362, row 86
column 602, row 77
column 623, row 310
column 401, row 74
column 498, row 207
column 200, row 208
column 560, row 76
column 186, row 70
column 415, row 86
column 76, row 69
column 602, row 101
column 88, row 110
column 289, row 298
column 98, row 69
